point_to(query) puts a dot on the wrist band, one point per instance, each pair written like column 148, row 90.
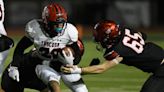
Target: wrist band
column 115, row 61
column 76, row 70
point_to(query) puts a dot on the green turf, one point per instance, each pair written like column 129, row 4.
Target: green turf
column 118, row 79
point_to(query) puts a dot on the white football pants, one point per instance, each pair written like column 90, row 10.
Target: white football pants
column 73, row 81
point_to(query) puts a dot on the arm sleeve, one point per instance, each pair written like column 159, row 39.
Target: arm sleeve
column 22, row 45
column 110, row 54
column 73, row 33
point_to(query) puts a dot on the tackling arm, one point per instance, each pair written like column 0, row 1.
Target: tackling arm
column 17, row 58
column 22, row 45
column 96, row 69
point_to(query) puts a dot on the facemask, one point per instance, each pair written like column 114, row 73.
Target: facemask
column 58, row 30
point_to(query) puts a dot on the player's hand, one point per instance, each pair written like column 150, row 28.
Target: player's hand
column 71, row 69
column 14, row 73
column 66, row 58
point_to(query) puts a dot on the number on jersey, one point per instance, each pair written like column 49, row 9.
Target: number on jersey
column 133, row 41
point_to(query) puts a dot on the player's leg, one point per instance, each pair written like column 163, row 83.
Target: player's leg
column 28, row 79
column 74, row 82
column 10, row 85
column 5, row 44
column 36, row 84
column 49, row 76
column 54, row 86
column 155, row 82
column 32, row 81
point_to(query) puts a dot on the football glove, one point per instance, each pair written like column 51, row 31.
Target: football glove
column 66, row 58
column 14, row 73
column 71, row 69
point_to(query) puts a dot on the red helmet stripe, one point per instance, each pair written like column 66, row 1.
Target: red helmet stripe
column 57, row 8
column 53, row 12
column 60, row 8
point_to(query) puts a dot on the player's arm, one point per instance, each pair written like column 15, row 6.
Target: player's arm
column 22, row 45
column 94, row 69
column 101, row 67
column 18, row 57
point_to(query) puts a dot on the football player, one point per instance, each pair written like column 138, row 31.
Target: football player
column 50, row 35
column 126, row 46
column 20, row 73
column 5, row 42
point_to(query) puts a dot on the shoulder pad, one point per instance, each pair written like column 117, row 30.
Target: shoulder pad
column 32, row 28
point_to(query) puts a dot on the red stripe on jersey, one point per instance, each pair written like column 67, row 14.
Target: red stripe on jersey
column 111, row 55
column 81, row 46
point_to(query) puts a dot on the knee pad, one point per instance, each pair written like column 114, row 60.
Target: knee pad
column 5, row 43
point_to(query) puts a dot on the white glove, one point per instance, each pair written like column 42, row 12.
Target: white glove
column 71, row 69
column 14, row 73
column 66, row 58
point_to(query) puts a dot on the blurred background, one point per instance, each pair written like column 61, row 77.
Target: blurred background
column 147, row 14
column 142, row 15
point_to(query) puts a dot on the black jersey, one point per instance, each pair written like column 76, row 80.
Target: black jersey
column 146, row 56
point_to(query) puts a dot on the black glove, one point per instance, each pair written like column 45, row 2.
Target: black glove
column 95, row 61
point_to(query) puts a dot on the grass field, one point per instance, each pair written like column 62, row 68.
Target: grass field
column 119, row 79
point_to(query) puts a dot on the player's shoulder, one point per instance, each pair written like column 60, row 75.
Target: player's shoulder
column 71, row 26
column 128, row 29
column 32, row 24
column 33, row 28
column 72, row 31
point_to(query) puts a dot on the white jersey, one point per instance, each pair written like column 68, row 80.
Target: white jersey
column 2, row 13
column 42, row 41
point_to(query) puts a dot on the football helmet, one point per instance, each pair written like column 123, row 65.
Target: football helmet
column 54, row 16
column 106, row 33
